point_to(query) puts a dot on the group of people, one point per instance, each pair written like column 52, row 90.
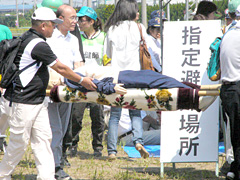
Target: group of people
column 61, row 40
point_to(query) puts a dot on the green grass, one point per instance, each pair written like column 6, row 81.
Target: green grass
column 85, row 166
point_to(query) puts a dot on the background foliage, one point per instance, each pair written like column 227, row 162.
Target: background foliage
column 104, row 11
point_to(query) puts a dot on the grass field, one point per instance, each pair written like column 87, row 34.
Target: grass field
column 85, row 166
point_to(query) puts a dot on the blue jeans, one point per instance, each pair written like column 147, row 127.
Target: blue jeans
column 137, row 129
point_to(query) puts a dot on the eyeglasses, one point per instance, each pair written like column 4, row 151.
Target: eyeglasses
column 72, row 18
column 81, row 20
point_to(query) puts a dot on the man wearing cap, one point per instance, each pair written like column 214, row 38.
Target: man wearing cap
column 65, row 46
column 156, row 13
column 225, row 121
column 28, row 116
column 230, row 90
column 153, row 42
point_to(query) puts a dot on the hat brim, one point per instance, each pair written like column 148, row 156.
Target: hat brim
column 80, row 14
column 57, row 21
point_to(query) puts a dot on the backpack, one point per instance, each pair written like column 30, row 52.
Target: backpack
column 213, row 69
column 8, row 52
column 8, row 69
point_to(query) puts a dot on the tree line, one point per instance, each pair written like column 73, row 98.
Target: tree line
column 177, row 12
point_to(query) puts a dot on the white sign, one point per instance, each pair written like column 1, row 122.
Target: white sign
column 189, row 136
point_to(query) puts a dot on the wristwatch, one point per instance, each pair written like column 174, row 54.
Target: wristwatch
column 81, row 80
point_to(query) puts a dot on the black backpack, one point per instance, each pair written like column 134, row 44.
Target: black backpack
column 8, row 69
column 8, row 52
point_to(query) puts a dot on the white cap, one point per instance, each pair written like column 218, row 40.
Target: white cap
column 46, row 14
column 237, row 12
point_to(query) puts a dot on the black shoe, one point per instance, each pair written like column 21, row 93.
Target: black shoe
column 72, row 151
column 64, row 162
column 225, row 168
column 62, row 175
column 97, row 154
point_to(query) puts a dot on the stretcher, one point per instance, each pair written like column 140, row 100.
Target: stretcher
column 142, row 98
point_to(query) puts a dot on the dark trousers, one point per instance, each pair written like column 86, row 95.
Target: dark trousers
column 75, row 125
column 230, row 96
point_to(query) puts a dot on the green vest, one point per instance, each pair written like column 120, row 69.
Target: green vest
column 93, row 49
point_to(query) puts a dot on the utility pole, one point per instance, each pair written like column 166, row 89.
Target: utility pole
column 71, row 3
column 187, row 8
column 23, row 7
column 168, row 12
column 17, row 24
column 89, row 3
column 161, row 30
column 144, row 13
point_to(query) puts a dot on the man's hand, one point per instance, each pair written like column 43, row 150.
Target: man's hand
column 119, row 89
column 88, row 84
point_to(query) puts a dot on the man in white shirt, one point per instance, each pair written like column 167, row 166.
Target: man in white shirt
column 230, row 90
column 151, row 128
column 66, row 47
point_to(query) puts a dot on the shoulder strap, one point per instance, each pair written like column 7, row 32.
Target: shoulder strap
column 140, row 29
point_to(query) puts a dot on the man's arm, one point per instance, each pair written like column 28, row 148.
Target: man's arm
column 69, row 74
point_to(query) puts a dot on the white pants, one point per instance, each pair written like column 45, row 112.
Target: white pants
column 28, row 122
column 3, row 115
column 59, row 115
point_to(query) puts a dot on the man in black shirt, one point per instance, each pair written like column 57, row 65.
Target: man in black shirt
column 28, row 116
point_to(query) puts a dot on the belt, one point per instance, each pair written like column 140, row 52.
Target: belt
column 125, row 134
column 229, row 83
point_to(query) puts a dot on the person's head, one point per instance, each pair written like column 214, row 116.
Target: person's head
column 156, row 13
column 124, row 10
column 52, row 4
column 88, row 19
column 228, row 20
column 232, row 7
column 238, row 13
column 44, row 20
column 69, row 17
column 207, row 9
column 154, row 27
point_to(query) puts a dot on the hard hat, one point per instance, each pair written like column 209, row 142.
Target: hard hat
column 52, row 4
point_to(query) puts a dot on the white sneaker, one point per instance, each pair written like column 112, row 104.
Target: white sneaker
column 230, row 176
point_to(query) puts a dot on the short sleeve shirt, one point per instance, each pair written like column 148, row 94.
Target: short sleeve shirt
column 31, row 84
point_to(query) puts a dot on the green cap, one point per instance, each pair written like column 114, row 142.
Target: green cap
column 232, row 5
column 52, row 4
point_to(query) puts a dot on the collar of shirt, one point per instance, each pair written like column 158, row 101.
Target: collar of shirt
column 92, row 37
column 38, row 34
column 57, row 34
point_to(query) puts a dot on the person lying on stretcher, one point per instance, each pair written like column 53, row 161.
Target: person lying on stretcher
column 109, row 80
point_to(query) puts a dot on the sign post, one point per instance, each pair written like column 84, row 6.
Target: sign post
column 188, row 135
